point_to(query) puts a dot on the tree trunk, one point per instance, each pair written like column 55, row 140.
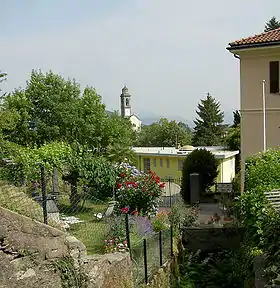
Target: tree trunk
column 55, row 182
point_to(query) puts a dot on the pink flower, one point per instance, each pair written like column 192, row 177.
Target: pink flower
column 125, row 210
column 162, row 185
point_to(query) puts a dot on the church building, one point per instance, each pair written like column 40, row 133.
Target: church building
column 126, row 111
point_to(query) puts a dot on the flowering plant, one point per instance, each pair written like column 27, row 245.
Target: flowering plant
column 138, row 193
column 115, row 245
column 191, row 217
column 161, row 221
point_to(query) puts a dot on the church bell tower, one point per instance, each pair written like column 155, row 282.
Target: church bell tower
column 125, row 103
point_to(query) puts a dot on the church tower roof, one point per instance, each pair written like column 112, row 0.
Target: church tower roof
column 125, row 91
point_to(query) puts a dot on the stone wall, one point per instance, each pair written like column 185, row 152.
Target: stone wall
column 34, row 255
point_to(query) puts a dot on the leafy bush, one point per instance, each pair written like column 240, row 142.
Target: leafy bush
column 260, row 220
column 191, row 217
column 236, row 183
column 161, row 221
column 263, row 170
column 204, row 163
column 138, row 193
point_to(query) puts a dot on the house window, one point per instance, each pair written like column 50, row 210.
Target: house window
column 180, row 165
column 161, row 162
column 167, row 163
column 155, row 162
column 274, row 76
column 126, row 102
column 147, row 164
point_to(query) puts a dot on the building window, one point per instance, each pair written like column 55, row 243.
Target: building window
column 147, row 164
column 155, row 162
column 167, row 163
column 180, row 165
column 274, row 76
column 161, row 162
column 126, row 102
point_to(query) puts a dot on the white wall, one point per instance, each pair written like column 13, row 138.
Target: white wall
column 228, row 170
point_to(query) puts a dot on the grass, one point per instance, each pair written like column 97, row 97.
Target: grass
column 91, row 232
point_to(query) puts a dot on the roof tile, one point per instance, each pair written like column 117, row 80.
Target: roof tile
column 263, row 38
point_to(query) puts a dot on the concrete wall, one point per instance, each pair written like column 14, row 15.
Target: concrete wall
column 30, row 252
column 254, row 68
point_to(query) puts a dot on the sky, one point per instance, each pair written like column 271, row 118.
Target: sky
column 168, row 53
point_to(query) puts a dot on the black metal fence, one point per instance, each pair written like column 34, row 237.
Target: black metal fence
column 149, row 253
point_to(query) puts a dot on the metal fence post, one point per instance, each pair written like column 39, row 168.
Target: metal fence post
column 170, row 196
column 145, row 260
column 160, row 248
column 171, row 240
column 44, row 196
column 127, row 233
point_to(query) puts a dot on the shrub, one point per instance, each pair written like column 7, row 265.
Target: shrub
column 138, row 193
column 161, row 221
column 263, row 170
column 204, row 163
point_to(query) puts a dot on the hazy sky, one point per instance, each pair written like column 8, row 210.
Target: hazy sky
column 168, row 52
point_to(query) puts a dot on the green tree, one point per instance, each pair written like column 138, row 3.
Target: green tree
column 272, row 24
column 51, row 108
column 164, row 133
column 94, row 171
column 236, row 118
column 208, row 126
column 204, row 163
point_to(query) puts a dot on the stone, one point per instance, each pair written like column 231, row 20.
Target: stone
column 28, row 273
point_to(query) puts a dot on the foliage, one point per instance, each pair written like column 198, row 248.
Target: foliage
column 137, row 193
column 161, row 221
column 175, row 218
column 252, row 208
column 71, row 276
column 190, row 218
column 16, row 199
column 219, row 269
column 272, row 24
column 51, row 108
column 115, row 245
column 236, row 118
column 27, row 160
column 233, row 138
column 263, row 170
column 208, row 126
column 204, row 163
column 236, row 183
column 164, row 133
column 96, row 172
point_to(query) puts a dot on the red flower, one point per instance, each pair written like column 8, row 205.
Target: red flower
column 134, row 184
column 162, row 185
column 123, row 175
column 135, row 212
column 157, row 179
column 125, row 210
column 151, row 194
column 119, row 185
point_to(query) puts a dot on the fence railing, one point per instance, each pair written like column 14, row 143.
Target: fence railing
column 149, row 253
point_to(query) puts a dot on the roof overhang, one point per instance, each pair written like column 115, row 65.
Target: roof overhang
column 234, row 48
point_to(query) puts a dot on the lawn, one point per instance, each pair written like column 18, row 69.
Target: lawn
column 91, row 232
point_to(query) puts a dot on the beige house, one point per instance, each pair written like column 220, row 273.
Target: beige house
column 259, row 58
